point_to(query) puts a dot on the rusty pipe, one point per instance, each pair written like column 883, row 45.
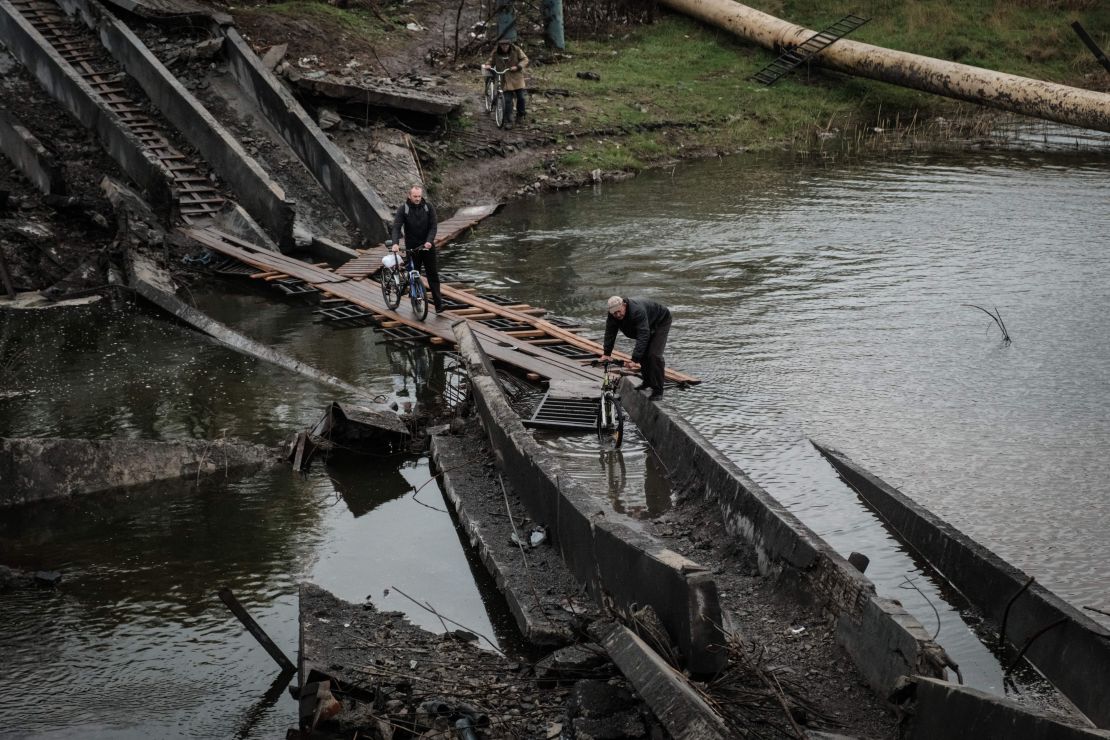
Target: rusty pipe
column 1037, row 98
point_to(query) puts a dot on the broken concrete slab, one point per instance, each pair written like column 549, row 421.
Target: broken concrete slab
column 622, row 567
column 51, row 468
column 274, row 55
column 884, row 640
column 29, row 156
column 62, row 83
column 1074, row 655
column 672, row 699
column 934, row 709
column 348, row 428
column 376, row 92
column 255, row 190
column 540, row 591
column 330, row 166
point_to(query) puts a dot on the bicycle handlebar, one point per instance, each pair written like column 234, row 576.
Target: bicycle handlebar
column 607, row 363
column 498, row 71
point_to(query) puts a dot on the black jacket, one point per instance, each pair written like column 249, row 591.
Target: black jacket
column 640, row 320
column 420, row 224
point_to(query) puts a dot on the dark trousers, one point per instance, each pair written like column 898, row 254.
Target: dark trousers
column 426, row 258
column 653, row 364
column 509, row 95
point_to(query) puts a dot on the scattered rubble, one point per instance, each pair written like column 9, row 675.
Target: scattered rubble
column 388, row 678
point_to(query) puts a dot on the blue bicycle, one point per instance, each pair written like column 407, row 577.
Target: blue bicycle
column 396, row 282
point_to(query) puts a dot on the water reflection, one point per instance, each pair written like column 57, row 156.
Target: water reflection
column 828, row 302
column 134, row 643
column 632, row 477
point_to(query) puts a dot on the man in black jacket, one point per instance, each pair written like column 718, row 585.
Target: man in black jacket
column 417, row 218
column 648, row 323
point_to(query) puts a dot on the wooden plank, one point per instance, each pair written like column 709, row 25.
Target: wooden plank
column 523, row 348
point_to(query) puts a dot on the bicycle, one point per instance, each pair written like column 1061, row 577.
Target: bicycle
column 494, row 96
column 610, row 412
column 395, row 282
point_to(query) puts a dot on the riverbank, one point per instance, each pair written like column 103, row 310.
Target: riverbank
column 643, row 96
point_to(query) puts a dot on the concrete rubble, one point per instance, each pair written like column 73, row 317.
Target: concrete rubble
column 51, row 468
column 385, row 675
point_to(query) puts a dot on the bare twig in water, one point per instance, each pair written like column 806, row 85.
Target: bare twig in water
column 997, row 316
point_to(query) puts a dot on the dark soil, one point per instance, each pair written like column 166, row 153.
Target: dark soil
column 392, row 679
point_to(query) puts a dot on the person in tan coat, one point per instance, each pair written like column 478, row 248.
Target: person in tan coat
column 508, row 56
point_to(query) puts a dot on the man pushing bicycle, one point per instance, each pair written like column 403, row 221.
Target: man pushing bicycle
column 649, row 323
column 417, row 218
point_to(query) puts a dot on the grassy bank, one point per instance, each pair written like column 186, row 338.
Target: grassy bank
column 694, row 79
column 676, row 88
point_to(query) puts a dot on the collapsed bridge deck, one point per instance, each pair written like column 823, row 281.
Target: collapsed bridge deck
column 514, row 334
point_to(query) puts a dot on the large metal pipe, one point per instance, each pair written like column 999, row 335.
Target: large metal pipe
column 1023, row 95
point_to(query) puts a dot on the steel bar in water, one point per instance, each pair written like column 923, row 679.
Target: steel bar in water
column 252, row 626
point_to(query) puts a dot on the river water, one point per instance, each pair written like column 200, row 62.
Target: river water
column 815, row 300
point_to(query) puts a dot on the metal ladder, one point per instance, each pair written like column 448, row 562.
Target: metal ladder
column 808, row 49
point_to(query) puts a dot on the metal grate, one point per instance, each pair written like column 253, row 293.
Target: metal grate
column 571, row 351
column 346, row 315
column 500, row 300
column 295, row 286
column 403, row 333
column 228, row 266
column 505, row 324
column 565, row 413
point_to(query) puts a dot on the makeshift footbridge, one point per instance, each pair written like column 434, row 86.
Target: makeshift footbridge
column 512, row 333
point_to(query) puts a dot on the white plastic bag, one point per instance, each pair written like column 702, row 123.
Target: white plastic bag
column 389, row 261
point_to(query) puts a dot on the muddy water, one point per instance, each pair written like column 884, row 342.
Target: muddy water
column 828, row 302
column 135, row 643
column 816, row 301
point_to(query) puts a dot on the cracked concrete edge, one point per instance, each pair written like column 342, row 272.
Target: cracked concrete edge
column 328, row 164
column 536, row 629
column 1075, row 656
column 623, row 569
column 51, row 468
column 672, row 699
column 936, row 710
column 882, row 638
column 29, row 156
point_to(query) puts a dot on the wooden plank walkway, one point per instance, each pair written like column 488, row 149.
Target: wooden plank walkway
column 511, row 333
column 449, row 230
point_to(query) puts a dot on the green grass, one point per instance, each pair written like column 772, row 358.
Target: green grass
column 679, row 71
column 360, row 24
column 1031, row 38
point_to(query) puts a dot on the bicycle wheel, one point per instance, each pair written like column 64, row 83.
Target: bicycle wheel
column 391, row 287
column 418, row 298
column 499, row 109
column 617, row 434
column 490, row 93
